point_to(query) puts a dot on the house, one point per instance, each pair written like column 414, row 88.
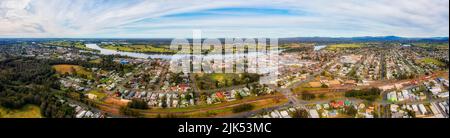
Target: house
column 443, row 95
column 415, row 108
column 337, row 104
column 434, row 109
column 435, row 90
column 285, row 114
column 394, row 108
column 81, row 114
column 274, row 114
column 406, row 95
column 220, row 95
column 392, row 96
column 91, row 96
column 325, row 106
column 422, row 109
column 313, row 113
column 400, row 97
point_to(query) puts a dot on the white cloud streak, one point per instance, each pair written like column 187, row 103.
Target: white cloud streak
column 118, row 18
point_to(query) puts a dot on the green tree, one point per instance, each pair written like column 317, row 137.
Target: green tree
column 301, row 113
column 137, row 104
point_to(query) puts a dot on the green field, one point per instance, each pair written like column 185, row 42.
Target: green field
column 220, row 80
column 141, row 48
column 432, row 61
column 28, row 111
column 73, row 69
column 78, row 45
column 339, row 46
column 100, row 95
column 432, row 45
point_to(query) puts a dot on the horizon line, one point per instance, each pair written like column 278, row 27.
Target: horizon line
column 218, row 37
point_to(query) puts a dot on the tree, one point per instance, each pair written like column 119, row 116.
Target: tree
column 242, row 108
column 300, row 113
column 308, row 96
column 203, row 97
column 130, row 112
column 410, row 113
column 351, row 111
column 137, row 104
column 321, row 96
column 187, row 97
column 238, row 96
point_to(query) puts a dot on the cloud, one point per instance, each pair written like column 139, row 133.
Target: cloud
column 227, row 18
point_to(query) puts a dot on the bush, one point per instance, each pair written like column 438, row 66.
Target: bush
column 242, row 108
column 129, row 112
column 301, row 113
column 137, row 104
column 366, row 94
column 308, row 96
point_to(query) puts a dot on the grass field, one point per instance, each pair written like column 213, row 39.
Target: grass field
column 338, row 46
column 71, row 69
column 222, row 77
column 207, row 81
column 96, row 61
column 79, row 45
column 432, row 61
column 28, row 111
column 100, row 95
column 139, row 48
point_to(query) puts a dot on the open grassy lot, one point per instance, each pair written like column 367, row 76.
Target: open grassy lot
column 71, row 69
column 100, row 95
column 140, row 48
column 96, row 61
column 28, row 111
column 220, row 80
column 432, row 61
column 339, row 46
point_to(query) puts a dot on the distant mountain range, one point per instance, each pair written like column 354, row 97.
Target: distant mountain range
column 364, row 39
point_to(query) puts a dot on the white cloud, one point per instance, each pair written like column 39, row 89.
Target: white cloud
column 117, row 18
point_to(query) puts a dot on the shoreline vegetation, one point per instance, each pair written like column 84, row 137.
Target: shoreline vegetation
column 71, row 44
column 140, row 48
column 163, row 49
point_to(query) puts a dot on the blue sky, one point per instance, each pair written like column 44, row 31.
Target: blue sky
column 223, row 18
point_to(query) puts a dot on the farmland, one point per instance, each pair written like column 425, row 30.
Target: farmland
column 345, row 46
column 141, row 48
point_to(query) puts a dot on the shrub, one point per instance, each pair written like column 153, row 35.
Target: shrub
column 242, row 108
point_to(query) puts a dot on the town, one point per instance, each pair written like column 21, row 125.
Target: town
column 314, row 80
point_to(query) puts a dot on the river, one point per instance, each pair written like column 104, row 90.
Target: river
column 317, row 48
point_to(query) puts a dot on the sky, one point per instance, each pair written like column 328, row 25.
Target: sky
column 222, row 18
